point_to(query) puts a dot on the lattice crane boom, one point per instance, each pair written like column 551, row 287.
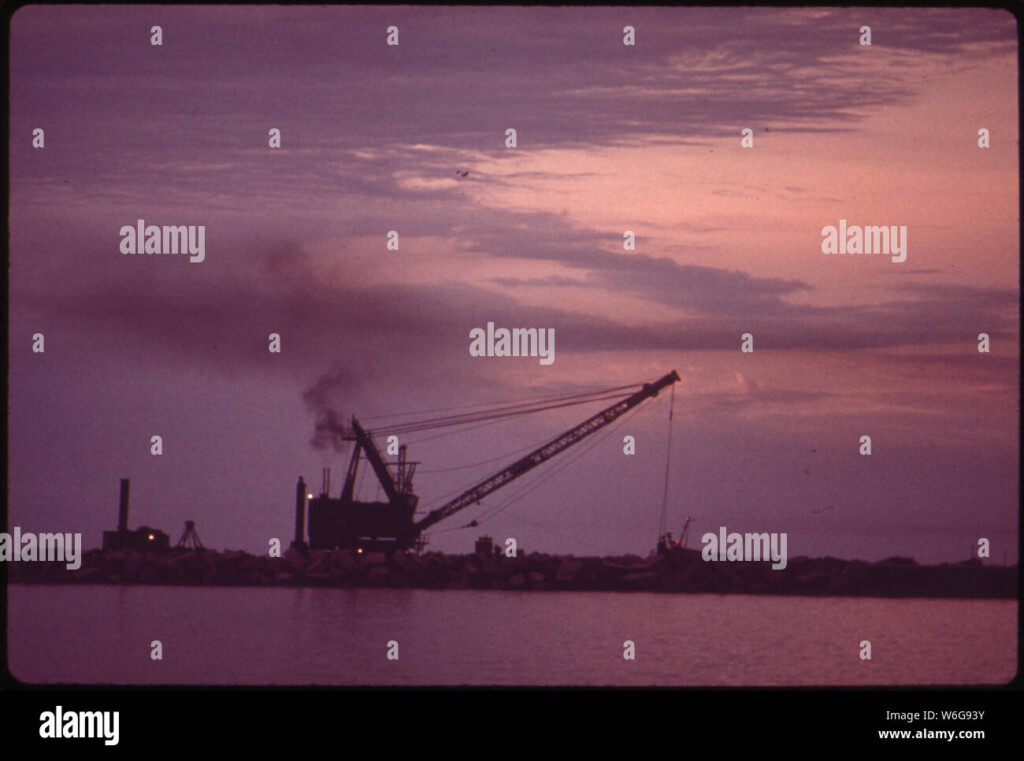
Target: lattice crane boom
column 546, row 452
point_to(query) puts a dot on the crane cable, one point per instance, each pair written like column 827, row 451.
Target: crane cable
column 463, row 426
column 668, row 464
column 502, row 411
column 438, row 501
column 488, row 407
column 490, row 512
column 485, row 416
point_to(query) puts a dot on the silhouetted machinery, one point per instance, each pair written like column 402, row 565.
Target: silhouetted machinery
column 390, row 526
column 666, row 544
column 142, row 539
column 189, row 538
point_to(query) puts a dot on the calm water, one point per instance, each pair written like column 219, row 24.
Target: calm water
column 102, row 634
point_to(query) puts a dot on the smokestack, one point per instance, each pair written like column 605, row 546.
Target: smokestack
column 300, row 511
column 122, row 514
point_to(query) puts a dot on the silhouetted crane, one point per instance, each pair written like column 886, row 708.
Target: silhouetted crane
column 388, row 526
column 189, row 538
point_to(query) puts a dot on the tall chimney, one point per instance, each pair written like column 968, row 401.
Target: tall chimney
column 122, row 513
column 300, row 511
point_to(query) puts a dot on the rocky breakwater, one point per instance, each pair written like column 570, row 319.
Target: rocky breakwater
column 682, row 571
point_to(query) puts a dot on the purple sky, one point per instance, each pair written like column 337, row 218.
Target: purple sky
column 610, row 138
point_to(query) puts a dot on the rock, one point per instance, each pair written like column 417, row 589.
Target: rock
column 320, row 564
column 342, row 559
column 295, row 559
column 644, row 580
column 568, row 570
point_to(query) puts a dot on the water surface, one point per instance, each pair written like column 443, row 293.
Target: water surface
column 287, row 636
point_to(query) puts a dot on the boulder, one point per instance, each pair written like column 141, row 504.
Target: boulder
column 568, row 570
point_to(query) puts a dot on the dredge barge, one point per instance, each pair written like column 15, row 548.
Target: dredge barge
column 346, row 523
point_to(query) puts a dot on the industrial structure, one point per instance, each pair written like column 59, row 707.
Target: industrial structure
column 346, row 523
column 142, row 539
column 189, row 538
column 667, row 545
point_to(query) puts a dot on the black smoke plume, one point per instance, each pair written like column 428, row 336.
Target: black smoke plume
column 330, row 430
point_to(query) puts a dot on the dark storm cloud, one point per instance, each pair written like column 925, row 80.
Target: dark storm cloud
column 351, row 109
column 462, row 76
column 543, row 282
column 385, row 328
